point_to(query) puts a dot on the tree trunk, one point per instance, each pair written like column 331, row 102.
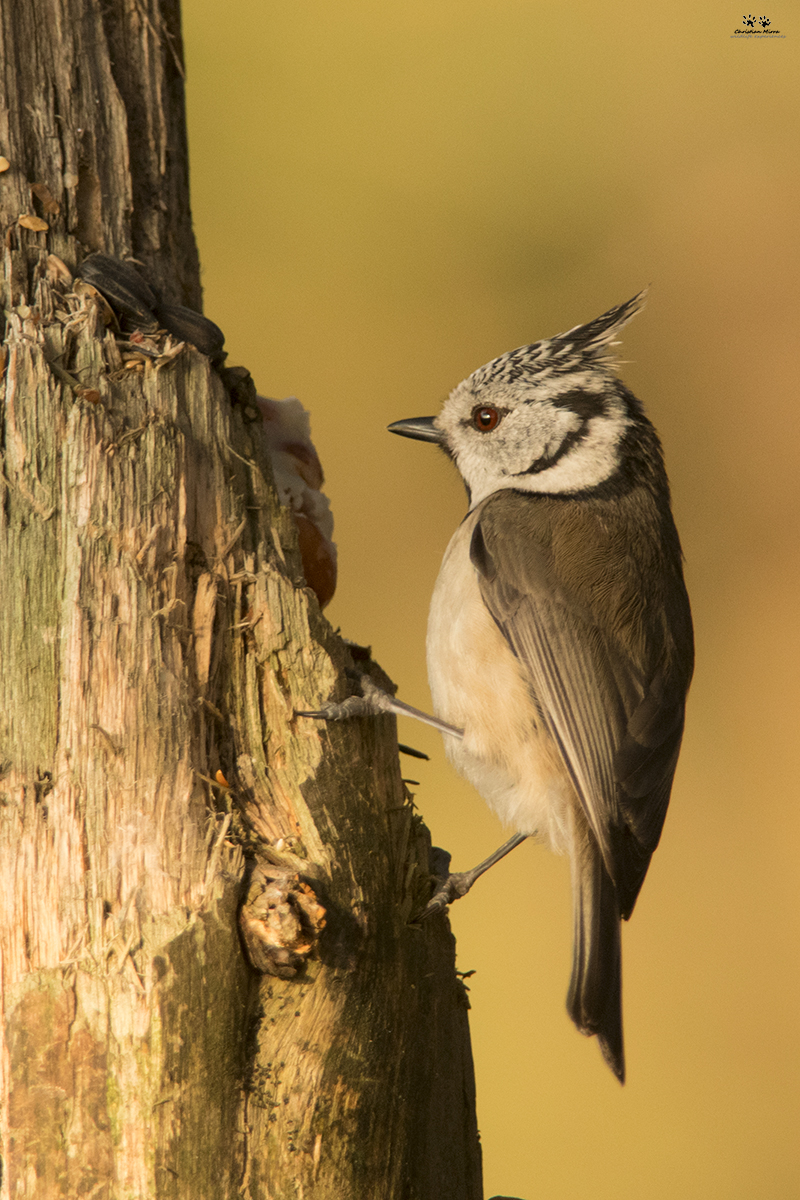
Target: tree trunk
column 157, row 639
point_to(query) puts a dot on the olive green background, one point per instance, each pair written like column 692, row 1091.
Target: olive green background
column 386, row 196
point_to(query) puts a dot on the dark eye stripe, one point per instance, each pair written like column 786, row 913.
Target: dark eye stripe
column 584, row 404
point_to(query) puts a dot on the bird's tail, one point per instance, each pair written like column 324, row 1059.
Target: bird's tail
column 595, row 991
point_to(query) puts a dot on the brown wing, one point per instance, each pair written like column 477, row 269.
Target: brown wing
column 601, row 622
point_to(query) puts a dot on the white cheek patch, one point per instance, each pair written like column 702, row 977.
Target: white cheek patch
column 526, row 434
column 591, row 461
column 588, row 464
column 556, row 425
column 544, row 443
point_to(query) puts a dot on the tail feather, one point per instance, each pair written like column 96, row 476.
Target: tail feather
column 595, row 991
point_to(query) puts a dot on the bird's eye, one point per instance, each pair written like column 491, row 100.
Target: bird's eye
column 485, row 419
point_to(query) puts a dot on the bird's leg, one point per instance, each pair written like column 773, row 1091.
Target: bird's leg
column 457, row 885
column 374, row 702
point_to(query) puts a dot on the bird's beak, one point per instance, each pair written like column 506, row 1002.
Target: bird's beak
column 421, row 428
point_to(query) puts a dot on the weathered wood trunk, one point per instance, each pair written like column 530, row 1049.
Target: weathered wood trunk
column 155, row 631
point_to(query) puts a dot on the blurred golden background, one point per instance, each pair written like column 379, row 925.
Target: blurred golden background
column 387, row 196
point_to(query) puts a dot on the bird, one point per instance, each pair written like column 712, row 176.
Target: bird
column 560, row 647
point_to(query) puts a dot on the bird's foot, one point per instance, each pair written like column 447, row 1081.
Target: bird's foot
column 374, row 702
column 453, row 885
column 449, row 889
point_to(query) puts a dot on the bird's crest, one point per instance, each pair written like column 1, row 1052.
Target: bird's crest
column 584, row 346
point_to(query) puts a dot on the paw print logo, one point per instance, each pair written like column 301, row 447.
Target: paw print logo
column 763, row 22
column 749, row 21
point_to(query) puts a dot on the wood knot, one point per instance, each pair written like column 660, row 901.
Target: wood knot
column 280, row 921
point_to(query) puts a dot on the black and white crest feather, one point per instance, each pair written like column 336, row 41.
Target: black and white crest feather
column 589, row 345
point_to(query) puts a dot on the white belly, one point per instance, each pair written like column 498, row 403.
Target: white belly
column 479, row 685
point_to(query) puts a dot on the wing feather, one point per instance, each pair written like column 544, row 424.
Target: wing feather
column 608, row 674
